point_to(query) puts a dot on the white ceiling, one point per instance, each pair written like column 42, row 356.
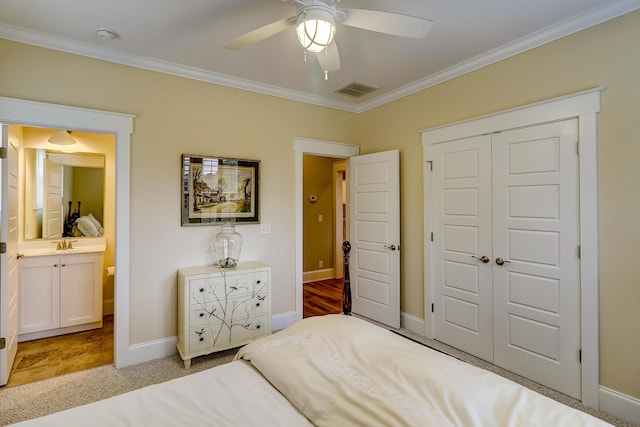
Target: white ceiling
column 186, row 38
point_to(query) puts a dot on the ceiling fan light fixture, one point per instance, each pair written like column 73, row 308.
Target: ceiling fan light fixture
column 62, row 137
column 316, row 28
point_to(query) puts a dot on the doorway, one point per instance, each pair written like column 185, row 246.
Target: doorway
column 316, row 148
column 324, row 228
column 84, row 184
column 22, row 112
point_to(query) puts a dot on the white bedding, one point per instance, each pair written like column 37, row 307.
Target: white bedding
column 342, row 371
column 233, row 394
column 332, row 370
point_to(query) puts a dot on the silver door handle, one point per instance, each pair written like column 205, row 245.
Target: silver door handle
column 482, row 258
column 392, row 247
column 501, row 261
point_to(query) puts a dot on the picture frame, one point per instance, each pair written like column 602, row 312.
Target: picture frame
column 218, row 189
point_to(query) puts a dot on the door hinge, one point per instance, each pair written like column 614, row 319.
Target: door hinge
column 3, row 248
column 3, row 343
column 3, row 153
column 579, row 356
column 579, row 252
column 432, row 236
column 578, row 148
column 430, row 164
column 433, row 308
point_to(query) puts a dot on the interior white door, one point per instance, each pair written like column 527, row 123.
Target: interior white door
column 52, row 201
column 536, row 233
column 462, row 244
column 374, row 233
column 9, row 259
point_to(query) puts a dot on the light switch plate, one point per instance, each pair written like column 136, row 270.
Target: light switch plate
column 265, row 228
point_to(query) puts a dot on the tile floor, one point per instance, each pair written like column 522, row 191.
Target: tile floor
column 49, row 357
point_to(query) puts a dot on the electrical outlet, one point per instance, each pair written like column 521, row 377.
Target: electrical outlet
column 265, row 228
column 320, row 264
column 320, row 218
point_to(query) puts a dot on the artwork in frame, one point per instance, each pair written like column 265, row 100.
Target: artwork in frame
column 217, row 189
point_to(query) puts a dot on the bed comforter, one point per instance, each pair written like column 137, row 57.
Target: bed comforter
column 342, row 371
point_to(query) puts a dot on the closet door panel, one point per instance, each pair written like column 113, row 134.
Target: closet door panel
column 462, row 231
column 536, row 231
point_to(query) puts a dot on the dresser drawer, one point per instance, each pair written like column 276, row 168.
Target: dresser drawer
column 226, row 286
column 220, row 336
column 249, row 305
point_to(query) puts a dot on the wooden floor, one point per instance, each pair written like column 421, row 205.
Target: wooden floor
column 49, row 357
column 322, row 297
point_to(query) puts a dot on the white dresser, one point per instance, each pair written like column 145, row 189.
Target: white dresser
column 222, row 308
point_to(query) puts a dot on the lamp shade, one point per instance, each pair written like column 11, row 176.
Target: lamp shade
column 62, row 137
column 316, row 27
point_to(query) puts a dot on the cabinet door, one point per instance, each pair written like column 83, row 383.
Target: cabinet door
column 80, row 289
column 39, row 294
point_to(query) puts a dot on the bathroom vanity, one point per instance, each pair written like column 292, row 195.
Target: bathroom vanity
column 60, row 290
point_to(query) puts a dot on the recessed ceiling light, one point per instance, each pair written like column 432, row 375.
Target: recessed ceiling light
column 106, row 34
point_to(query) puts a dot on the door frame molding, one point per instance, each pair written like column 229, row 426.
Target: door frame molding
column 312, row 147
column 581, row 105
column 39, row 114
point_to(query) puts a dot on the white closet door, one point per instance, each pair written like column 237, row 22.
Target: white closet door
column 462, row 230
column 536, row 232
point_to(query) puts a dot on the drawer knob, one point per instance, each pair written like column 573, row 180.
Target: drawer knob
column 258, row 327
column 201, row 289
column 257, row 304
column 201, row 314
column 201, row 339
column 258, row 282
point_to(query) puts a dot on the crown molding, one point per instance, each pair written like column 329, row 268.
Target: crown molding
column 610, row 10
column 589, row 19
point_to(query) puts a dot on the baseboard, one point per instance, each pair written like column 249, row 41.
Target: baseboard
column 412, row 323
column 619, row 405
column 144, row 352
column 107, row 307
column 313, row 276
column 282, row 320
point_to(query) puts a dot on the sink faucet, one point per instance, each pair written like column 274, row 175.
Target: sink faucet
column 62, row 245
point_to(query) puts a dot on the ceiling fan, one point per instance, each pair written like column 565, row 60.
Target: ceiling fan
column 315, row 22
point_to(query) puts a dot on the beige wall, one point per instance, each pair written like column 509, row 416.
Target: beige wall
column 605, row 55
column 317, row 236
column 175, row 115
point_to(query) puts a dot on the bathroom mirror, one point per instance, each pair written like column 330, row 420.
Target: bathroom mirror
column 64, row 194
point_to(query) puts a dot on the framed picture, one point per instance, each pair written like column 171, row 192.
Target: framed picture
column 216, row 189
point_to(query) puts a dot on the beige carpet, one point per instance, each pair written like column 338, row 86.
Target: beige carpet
column 43, row 397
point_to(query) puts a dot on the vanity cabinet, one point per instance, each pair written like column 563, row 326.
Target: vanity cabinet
column 222, row 308
column 59, row 294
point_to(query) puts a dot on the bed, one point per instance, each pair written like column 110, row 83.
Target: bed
column 331, row 370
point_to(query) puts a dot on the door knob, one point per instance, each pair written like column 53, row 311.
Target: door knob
column 482, row 258
column 392, row 247
column 501, row 261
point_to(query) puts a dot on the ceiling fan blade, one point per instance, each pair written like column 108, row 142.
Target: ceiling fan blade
column 259, row 34
column 329, row 58
column 387, row 22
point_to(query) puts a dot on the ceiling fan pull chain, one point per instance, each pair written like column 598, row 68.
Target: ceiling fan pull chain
column 326, row 65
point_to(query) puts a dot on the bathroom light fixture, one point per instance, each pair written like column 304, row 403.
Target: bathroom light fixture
column 316, row 27
column 62, row 137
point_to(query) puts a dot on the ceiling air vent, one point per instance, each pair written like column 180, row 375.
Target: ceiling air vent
column 356, row 89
